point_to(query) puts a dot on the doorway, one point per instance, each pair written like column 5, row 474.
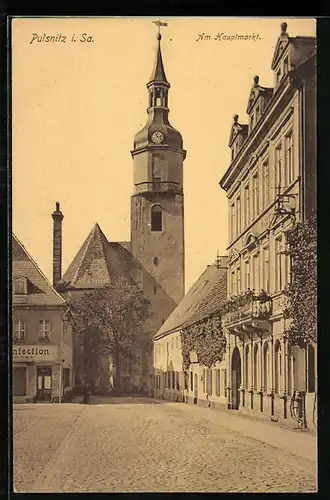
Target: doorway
column 44, row 383
column 235, row 379
column 195, row 388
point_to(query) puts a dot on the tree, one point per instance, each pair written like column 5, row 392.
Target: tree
column 301, row 293
column 110, row 322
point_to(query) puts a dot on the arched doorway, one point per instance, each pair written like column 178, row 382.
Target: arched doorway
column 235, row 379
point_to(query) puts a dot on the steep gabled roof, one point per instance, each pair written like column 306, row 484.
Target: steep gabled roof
column 97, row 262
column 40, row 291
column 203, row 299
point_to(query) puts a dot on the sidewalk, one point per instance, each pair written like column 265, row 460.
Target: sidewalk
column 301, row 443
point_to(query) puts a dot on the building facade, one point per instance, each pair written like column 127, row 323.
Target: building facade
column 42, row 350
column 195, row 383
column 270, row 186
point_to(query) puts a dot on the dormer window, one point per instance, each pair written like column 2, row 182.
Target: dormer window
column 20, row 286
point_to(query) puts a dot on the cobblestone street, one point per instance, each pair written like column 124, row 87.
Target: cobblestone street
column 147, row 446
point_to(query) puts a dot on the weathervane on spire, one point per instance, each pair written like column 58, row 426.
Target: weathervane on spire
column 159, row 23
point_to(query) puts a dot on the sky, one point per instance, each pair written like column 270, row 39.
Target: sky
column 77, row 105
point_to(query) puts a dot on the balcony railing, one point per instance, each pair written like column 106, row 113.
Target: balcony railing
column 158, row 187
column 253, row 314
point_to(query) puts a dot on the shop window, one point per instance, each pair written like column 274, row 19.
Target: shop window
column 19, row 381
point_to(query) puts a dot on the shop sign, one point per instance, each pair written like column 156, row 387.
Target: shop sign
column 35, row 353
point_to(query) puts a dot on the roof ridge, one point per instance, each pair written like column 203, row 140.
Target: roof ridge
column 37, row 267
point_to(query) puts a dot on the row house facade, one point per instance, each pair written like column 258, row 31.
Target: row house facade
column 196, row 384
column 42, row 334
column 270, row 185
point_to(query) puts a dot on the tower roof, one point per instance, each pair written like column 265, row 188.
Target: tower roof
column 97, row 262
column 158, row 73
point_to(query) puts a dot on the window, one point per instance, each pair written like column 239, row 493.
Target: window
column 255, row 367
column 285, row 265
column 289, row 168
column 155, row 290
column 232, row 153
column 223, row 380
column 177, row 382
column 277, row 360
column 247, row 367
column 247, row 275
column 278, row 265
column 246, row 205
column 255, row 272
column 238, row 216
column 265, row 270
column 20, row 285
column 278, row 167
column 156, row 183
column 173, row 380
column 238, row 280
column 232, row 283
column 19, row 330
column 311, row 368
column 156, row 218
column 44, row 329
column 191, row 381
column 155, row 261
column 209, row 381
column 266, row 366
column 255, row 198
column 265, row 185
column 217, row 382
column 232, row 221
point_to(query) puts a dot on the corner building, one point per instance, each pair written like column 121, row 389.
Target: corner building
column 42, row 350
column 270, row 185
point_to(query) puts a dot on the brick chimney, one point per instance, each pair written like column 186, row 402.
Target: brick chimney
column 57, row 244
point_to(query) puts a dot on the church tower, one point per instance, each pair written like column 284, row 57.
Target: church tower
column 157, row 217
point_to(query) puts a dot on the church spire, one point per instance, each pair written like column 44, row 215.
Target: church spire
column 158, row 73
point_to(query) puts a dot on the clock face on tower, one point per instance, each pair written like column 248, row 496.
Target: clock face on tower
column 157, row 137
